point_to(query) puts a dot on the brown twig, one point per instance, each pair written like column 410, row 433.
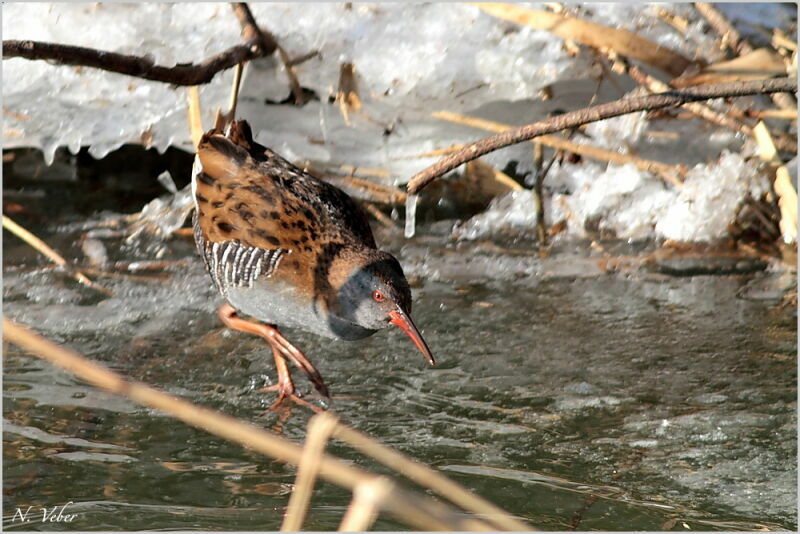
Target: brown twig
column 267, row 43
column 258, row 43
column 592, row 114
column 137, row 66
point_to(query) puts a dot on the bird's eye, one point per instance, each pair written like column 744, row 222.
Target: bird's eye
column 378, row 296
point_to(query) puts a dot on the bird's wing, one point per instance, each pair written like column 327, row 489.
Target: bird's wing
column 247, row 193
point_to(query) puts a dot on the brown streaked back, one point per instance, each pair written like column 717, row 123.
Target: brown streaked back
column 247, row 193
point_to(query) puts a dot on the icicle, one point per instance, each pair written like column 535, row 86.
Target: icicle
column 411, row 215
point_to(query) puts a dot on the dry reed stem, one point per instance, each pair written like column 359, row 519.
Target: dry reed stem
column 363, row 509
column 45, row 249
column 425, row 476
column 787, row 196
column 320, row 429
column 379, row 215
column 372, row 191
column 780, row 114
column 781, row 40
column 728, row 34
column 235, row 86
column 666, row 172
column 195, row 117
column 590, row 34
column 733, row 40
column 419, row 512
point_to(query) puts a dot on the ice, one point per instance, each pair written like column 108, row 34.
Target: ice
column 162, row 216
column 617, row 133
column 411, row 215
column 513, row 211
column 632, row 204
column 707, row 202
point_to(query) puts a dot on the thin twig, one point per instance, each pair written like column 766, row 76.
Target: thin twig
column 45, row 249
column 592, row 114
column 419, row 512
column 538, row 199
column 137, row 66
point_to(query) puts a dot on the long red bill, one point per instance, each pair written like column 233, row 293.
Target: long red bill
column 402, row 320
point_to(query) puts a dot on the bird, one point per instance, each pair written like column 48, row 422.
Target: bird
column 290, row 250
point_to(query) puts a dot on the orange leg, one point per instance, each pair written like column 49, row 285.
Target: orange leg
column 282, row 349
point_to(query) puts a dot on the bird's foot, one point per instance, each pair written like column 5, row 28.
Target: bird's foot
column 288, row 393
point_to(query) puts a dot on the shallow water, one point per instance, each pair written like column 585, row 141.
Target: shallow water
column 570, row 396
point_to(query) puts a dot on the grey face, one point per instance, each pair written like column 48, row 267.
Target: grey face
column 373, row 291
column 375, row 296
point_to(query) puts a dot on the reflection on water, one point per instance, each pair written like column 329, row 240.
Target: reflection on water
column 570, row 397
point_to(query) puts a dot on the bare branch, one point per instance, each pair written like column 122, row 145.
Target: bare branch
column 268, row 44
column 137, row 66
column 593, row 114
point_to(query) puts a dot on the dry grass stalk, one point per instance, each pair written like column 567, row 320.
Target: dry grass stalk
column 669, row 173
column 425, row 476
column 347, row 93
column 379, row 215
column 781, row 40
column 787, row 196
column 363, row 509
column 783, row 114
column 235, row 86
column 45, row 249
column 756, row 65
column 681, row 24
column 484, row 172
column 587, row 33
column 729, row 35
column 320, row 429
column 540, row 170
column 731, row 39
column 419, row 512
column 195, row 117
column 366, row 189
column 377, row 172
